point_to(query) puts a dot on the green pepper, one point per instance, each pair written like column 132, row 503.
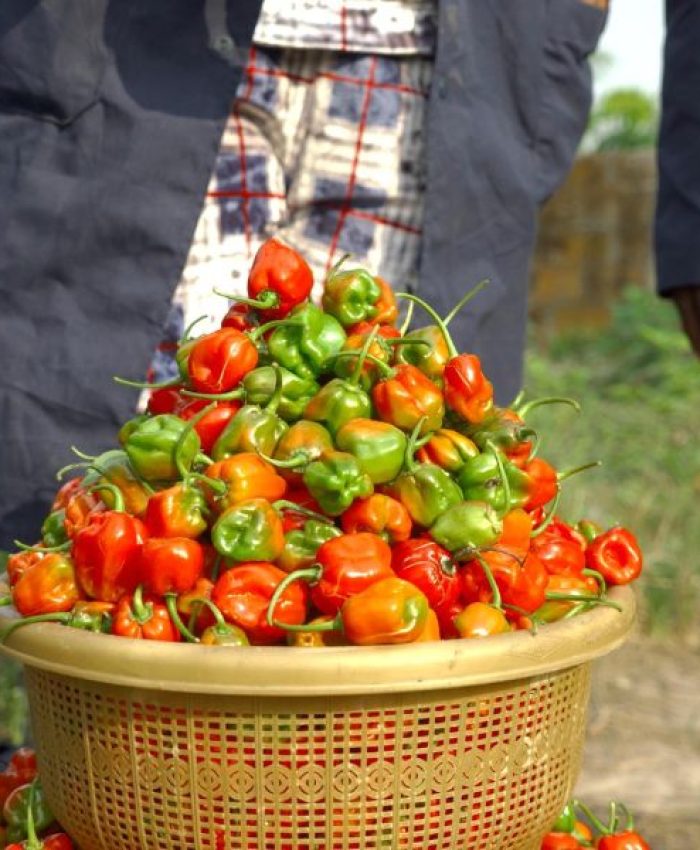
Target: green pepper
column 114, row 468
column 53, row 532
column 351, row 296
column 335, row 481
column 162, row 448
column 301, row 544
column 260, row 386
column 481, row 479
column 424, row 489
column 249, row 531
column 130, row 426
column 379, row 447
column 252, row 429
column 430, row 359
column 306, row 341
column 17, row 808
column 467, row 525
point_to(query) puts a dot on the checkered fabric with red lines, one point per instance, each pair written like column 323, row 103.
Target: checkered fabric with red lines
column 324, row 149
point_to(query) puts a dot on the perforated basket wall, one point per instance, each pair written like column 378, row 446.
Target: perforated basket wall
column 473, row 768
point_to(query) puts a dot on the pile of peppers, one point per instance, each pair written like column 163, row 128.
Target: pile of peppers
column 317, row 475
column 577, row 827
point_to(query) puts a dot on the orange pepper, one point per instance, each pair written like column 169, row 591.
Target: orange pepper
column 247, row 476
column 47, row 587
column 378, row 514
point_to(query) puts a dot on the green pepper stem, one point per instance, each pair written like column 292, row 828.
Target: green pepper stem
column 523, row 409
column 407, row 321
column 32, row 842
column 567, row 473
column 171, row 605
column 142, row 611
column 336, row 267
column 438, row 321
column 231, row 395
column 581, row 597
column 292, row 463
column 550, row 516
column 119, row 504
column 599, row 577
column 465, row 299
column 517, row 401
column 217, row 485
column 363, row 355
column 254, row 335
column 284, row 504
column 310, row 574
column 215, row 610
column 188, row 330
column 412, row 445
column 82, row 455
column 505, row 483
column 25, row 547
column 203, row 459
column 536, row 622
column 496, row 601
column 144, row 385
column 596, row 822
column 269, row 299
column 37, row 618
column 629, row 819
column 579, row 608
column 383, row 367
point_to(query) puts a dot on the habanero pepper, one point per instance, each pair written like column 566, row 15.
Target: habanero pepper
column 489, row 477
column 249, row 531
column 467, row 525
column 164, row 400
column 240, row 317
column 169, row 564
column 351, row 296
column 16, row 810
column 431, row 568
column 143, row 619
column 512, row 576
column 378, row 514
column 104, row 553
column 480, row 620
column 616, row 555
column 162, row 448
column 302, row 544
column 379, row 447
column 66, row 492
column 219, row 361
column 304, row 442
column 21, row 770
column 405, row 396
column 53, row 529
column 425, row 490
column 211, row 424
column 613, row 836
column 243, row 594
column 252, row 429
column 560, row 555
column 389, row 611
column 245, row 476
column 335, row 481
column 544, row 481
column 178, row 511
column 306, row 341
column 279, row 280
column 447, row 449
column 345, row 566
column 347, row 359
column 260, row 386
column 49, row 586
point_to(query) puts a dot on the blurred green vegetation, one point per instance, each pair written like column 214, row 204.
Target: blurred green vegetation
column 622, row 119
column 639, row 386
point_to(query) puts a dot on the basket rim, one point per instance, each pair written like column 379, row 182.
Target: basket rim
column 282, row 671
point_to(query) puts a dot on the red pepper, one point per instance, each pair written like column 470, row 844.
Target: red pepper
column 560, row 555
column 82, row 506
column 279, row 279
column 378, row 514
column 143, row 619
column 386, row 307
column 178, row 511
column 560, row 841
column 247, row 476
column 105, row 554
column 348, row 564
column 66, row 493
column 20, row 563
column 164, row 400
column 467, row 391
column 385, row 331
column 170, row 564
column 426, row 564
column 240, row 317
column 243, row 594
column 57, row 841
column 520, row 576
column 220, row 360
column 191, row 607
column 21, row 770
column 47, row 587
column 406, row 396
column 211, row 425
column 616, row 555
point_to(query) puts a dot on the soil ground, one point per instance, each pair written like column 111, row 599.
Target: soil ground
column 643, row 744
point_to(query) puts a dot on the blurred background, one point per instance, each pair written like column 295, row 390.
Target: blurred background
column 599, row 333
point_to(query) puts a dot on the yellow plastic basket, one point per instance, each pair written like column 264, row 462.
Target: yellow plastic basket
column 453, row 745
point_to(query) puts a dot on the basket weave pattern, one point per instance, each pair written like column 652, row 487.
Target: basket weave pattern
column 472, row 768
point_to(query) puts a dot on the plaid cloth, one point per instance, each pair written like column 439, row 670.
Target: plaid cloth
column 324, row 149
column 381, row 26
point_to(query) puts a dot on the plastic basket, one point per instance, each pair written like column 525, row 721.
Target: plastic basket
column 468, row 745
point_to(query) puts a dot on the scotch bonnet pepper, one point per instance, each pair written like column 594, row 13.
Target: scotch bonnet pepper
column 301, row 545
column 306, row 341
column 295, row 393
column 380, row 448
column 249, row 531
column 178, row 511
column 279, row 279
column 351, row 295
column 379, row 514
column 162, row 447
column 335, row 481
